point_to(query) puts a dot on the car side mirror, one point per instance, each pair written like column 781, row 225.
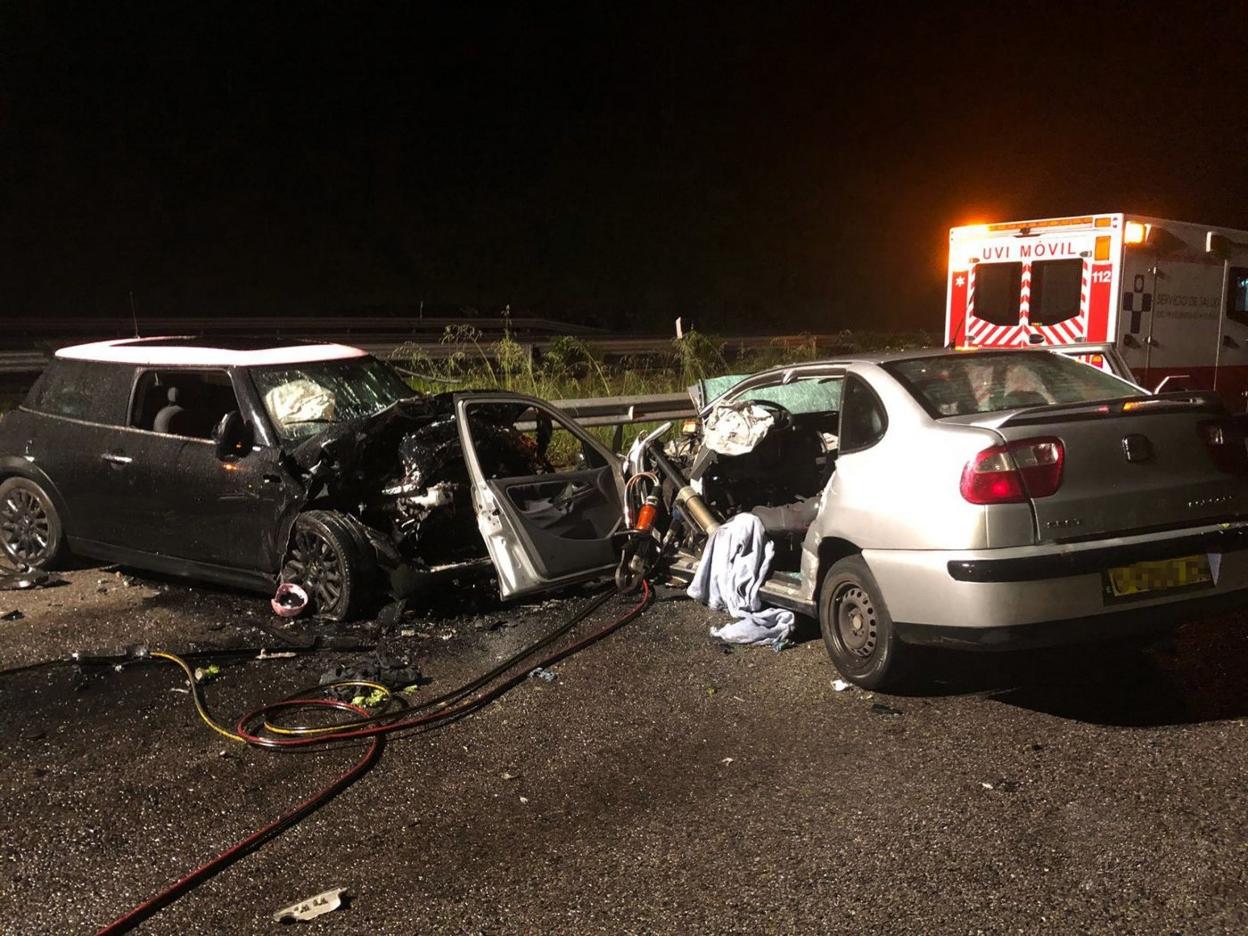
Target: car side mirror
column 231, row 437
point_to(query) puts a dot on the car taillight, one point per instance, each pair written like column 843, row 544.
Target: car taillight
column 1015, row 472
column 1225, row 443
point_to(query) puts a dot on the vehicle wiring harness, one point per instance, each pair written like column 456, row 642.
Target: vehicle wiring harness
column 297, row 722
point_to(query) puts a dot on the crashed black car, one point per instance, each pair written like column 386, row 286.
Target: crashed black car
column 251, row 463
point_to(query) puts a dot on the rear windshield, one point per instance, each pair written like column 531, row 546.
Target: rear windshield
column 970, row 383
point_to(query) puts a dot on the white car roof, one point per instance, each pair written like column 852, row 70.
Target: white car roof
column 183, row 351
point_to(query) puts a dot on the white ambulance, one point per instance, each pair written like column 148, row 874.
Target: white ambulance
column 1172, row 297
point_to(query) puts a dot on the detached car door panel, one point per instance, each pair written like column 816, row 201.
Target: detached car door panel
column 553, row 525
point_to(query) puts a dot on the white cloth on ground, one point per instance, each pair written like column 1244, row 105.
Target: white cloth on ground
column 735, row 563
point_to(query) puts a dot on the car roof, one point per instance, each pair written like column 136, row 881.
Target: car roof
column 186, row 351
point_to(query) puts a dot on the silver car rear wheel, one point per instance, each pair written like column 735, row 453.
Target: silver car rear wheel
column 857, row 631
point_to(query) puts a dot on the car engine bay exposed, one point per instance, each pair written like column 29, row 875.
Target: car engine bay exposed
column 414, row 509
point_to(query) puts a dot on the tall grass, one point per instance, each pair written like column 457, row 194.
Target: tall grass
column 571, row 369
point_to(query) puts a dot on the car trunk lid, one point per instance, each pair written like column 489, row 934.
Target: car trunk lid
column 1135, row 465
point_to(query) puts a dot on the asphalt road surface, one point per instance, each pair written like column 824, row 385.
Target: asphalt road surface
column 659, row 785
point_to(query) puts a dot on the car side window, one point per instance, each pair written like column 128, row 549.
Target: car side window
column 183, row 403
column 863, row 419
column 514, row 440
column 88, row 390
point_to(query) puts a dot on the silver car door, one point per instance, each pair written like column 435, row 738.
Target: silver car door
column 548, row 496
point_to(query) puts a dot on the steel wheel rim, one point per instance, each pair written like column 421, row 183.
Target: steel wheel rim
column 856, row 621
column 316, row 565
column 25, row 526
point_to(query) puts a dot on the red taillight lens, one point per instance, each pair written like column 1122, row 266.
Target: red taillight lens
column 1013, row 473
column 1225, row 443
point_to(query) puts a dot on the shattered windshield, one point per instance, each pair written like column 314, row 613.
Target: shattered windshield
column 818, row 394
column 302, row 399
column 980, row 382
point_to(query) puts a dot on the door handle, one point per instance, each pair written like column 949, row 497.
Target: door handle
column 117, row 459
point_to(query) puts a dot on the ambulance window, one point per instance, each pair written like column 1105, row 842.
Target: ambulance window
column 1055, row 289
column 996, row 292
column 1237, row 295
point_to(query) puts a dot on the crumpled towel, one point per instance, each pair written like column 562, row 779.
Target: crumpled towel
column 735, row 563
column 734, row 429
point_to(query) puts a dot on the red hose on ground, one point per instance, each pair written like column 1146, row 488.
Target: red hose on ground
column 376, row 733
column 175, row 890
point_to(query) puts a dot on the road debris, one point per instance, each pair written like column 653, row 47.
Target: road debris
column 1002, row 785
column 14, row 615
column 313, row 907
column 266, row 654
column 840, row 685
column 24, row 577
column 545, row 675
column 392, row 671
column 207, row 674
column 879, row 708
column 289, row 600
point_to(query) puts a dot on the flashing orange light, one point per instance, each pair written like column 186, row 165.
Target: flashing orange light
column 1102, row 222
column 1101, row 249
column 1135, row 232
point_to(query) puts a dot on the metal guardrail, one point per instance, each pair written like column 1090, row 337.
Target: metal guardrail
column 17, row 363
column 625, row 410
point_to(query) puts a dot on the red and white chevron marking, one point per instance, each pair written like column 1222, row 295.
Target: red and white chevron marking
column 980, row 331
column 1074, row 329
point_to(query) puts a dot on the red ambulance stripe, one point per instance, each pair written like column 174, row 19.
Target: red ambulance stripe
column 959, row 325
column 1098, row 302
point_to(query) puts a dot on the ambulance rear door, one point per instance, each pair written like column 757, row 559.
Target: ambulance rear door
column 1041, row 283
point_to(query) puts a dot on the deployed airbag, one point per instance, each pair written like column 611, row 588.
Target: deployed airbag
column 736, row 429
column 301, row 400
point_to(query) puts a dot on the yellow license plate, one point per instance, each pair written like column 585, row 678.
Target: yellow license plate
column 1142, row 578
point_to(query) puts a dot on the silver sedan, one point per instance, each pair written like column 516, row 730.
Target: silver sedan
column 984, row 499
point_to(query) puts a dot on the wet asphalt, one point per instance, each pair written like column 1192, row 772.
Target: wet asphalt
column 659, row 785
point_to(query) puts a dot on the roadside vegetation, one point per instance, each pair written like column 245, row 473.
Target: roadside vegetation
column 572, row 369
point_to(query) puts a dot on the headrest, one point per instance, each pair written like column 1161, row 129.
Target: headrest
column 172, row 395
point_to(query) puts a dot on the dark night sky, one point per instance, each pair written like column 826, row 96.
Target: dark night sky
column 755, row 167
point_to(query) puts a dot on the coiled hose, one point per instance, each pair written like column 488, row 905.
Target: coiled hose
column 269, row 727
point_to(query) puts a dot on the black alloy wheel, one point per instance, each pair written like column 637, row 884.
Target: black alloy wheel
column 326, row 560
column 30, row 530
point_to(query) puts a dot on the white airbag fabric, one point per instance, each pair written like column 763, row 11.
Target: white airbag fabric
column 301, row 400
column 735, row 430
